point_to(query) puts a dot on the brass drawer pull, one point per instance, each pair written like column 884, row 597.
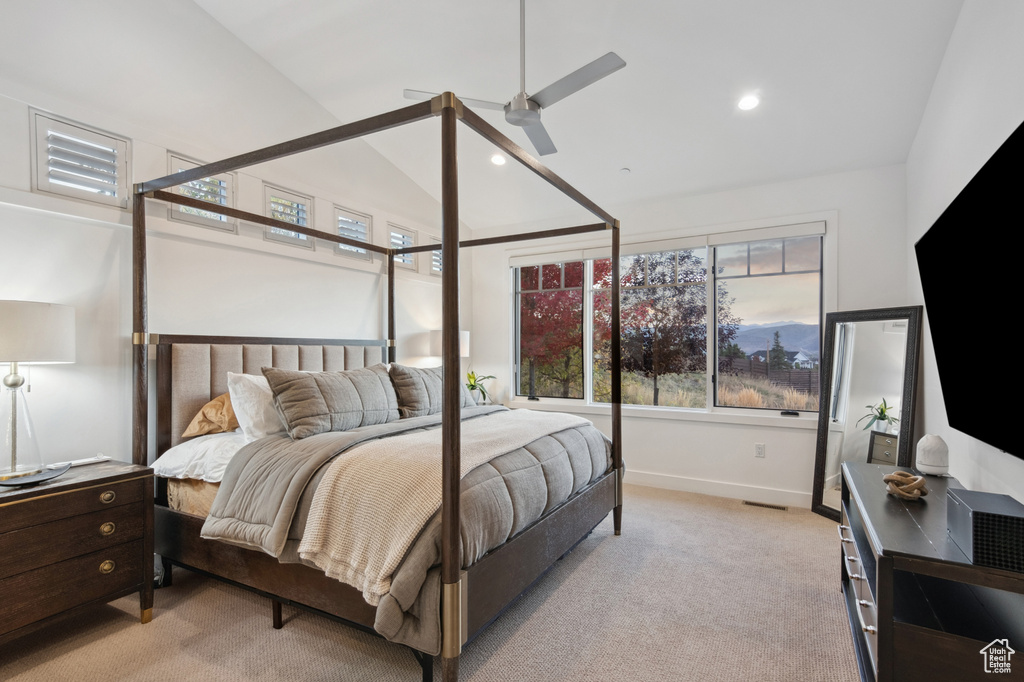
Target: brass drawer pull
column 107, row 496
column 107, row 567
column 108, row 528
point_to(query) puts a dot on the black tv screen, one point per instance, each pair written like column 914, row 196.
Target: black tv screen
column 972, row 293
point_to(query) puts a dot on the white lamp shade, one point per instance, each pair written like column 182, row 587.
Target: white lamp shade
column 36, row 332
column 435, row 343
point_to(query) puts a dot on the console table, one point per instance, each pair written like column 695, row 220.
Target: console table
column 918, row 609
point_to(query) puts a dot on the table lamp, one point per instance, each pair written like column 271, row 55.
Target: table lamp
column 435, row 343
column 30, row 333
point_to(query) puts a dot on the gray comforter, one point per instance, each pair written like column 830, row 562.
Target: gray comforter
column 265, row 498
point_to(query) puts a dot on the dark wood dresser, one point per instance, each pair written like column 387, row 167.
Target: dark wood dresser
column 918, row 609
column 81, row 539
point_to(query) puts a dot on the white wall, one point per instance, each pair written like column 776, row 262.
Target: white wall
column 714, row 453
column 200, row 280
column 976, row 102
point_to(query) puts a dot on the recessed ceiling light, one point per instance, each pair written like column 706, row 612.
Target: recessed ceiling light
column 498, row 160
column 624, row 171
column 748, row 102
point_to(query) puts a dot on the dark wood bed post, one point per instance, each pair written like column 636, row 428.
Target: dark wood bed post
column 451, row 564
column 391, row 307
column 616, row 382
column 140, row 347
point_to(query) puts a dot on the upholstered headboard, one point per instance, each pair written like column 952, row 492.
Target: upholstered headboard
column 191, row 370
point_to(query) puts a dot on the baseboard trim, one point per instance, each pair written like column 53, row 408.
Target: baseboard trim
column 787, row 498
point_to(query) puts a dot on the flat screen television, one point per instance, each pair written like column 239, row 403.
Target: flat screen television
column 972, row 292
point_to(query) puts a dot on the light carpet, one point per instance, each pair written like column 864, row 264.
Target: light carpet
column 696, row 588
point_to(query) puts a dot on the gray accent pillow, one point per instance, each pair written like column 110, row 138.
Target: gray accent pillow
column 419, row 390
column 316, row 402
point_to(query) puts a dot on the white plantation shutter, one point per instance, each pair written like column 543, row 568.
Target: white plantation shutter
column 77, row 161
column 289, row 207
column 402, row 238
column 352, row 225
column 436, row 264
column 218, row 190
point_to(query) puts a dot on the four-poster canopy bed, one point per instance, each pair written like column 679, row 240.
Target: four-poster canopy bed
column 469, row 597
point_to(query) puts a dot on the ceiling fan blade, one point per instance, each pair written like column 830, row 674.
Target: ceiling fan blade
column 472, row 103
column 539, row 137
column 419, row 94
column 578, row 79
column 482, row 104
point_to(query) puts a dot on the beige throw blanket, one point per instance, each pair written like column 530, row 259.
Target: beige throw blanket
column 375, row 499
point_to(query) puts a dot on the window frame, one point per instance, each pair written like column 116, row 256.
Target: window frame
column 824, row 224
column 400, row 261
column 303, row 241
column 357, row 217
column 120, row 146
column 177, row 162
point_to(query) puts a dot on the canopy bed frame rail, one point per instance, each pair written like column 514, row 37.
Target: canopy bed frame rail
column 455, row 625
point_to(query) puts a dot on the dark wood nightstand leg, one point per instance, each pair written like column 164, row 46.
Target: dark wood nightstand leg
column 148, row 558
column 278, row 621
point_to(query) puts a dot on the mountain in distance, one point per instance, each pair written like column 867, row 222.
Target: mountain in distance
column 793, row 335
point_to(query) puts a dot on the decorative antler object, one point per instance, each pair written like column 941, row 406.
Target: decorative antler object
column 905, row 485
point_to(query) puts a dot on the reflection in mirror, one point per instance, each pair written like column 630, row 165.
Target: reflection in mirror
column 869, row 376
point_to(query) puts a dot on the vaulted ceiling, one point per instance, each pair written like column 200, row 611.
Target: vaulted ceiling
column 842, row 85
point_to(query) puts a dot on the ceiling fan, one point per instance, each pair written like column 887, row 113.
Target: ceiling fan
column 524, row 110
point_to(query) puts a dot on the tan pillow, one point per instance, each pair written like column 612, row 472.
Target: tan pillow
column 217, row 416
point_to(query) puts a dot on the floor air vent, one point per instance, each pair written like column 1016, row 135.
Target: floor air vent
column 766, row 506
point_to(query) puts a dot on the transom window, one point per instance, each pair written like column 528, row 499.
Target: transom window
column 77, row 161
column 217, row 190
column 353, row 225
column 290, row 207
column 401, row 238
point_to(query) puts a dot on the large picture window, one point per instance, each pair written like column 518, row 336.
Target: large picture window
column 663, row 299
column 760, row 298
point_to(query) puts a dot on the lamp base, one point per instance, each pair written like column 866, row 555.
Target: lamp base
column 33, row 478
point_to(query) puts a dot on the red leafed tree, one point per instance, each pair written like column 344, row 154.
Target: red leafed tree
column 551, row 331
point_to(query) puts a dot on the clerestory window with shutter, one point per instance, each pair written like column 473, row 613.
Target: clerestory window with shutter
column 217, row 190
column 353, row 225
column 290, row 207
column 75, row 160
column 402, row 238
column 436, row 264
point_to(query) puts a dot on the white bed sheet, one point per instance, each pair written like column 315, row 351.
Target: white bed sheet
column 203, row 458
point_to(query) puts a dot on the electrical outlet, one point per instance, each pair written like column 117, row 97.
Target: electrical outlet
column 758, row 449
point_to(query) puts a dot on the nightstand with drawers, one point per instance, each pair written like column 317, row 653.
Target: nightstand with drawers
column 70, row 543
column 883, row 448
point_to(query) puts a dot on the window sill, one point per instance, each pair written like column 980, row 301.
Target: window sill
column 806, row 420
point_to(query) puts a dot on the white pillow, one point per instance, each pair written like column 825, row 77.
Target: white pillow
column 253, row 402
column 202, row 458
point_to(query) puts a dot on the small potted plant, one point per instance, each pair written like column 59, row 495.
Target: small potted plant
column 881, row 414
column 475, row 385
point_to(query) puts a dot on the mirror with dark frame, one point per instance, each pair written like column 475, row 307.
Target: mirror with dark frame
column 867, row 356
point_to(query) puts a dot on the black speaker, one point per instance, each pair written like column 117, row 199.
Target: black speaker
column 987, row 527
